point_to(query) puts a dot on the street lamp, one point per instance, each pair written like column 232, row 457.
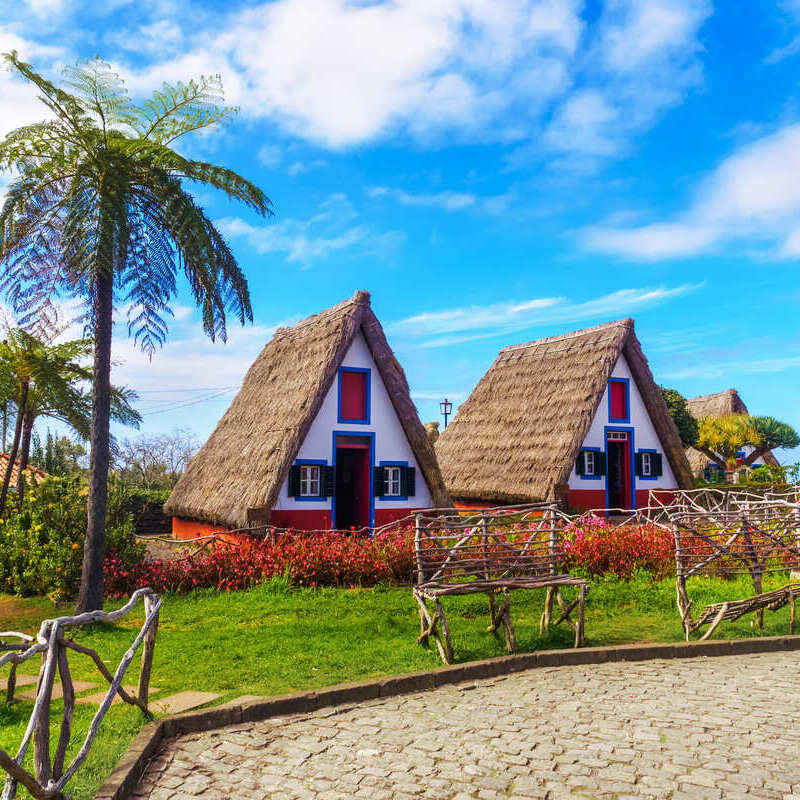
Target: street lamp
column 446, row 406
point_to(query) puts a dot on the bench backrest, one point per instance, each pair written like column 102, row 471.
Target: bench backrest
column 488, row 546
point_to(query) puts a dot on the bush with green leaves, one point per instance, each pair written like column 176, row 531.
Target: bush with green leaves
column 42, row 536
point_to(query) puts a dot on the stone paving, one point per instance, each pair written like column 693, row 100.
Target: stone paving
column 725, row 727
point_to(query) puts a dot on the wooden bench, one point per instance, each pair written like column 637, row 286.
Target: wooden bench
column 756, row 540
column 491, row 553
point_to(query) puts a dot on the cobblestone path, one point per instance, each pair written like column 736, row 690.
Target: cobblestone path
column 718, row 727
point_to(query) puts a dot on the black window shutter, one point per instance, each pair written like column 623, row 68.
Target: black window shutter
column 294, row 481
column 580, row 463
column 409, row 479
column 599, row 463
column 379, row 481
column 639, row 467
column 656, row 465
column 328, row 483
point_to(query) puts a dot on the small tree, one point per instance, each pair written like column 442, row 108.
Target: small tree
column 721, row 438
column 49, row 380
column 156, row 462
column 772, row 435
column 679, row 411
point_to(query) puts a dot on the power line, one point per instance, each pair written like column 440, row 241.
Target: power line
column 180, row 405
column 187, row 389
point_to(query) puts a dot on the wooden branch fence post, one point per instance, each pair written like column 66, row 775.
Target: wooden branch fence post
column 50, row 776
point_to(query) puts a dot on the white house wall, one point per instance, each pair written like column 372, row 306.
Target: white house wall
column 644, row 435
column 391, row 443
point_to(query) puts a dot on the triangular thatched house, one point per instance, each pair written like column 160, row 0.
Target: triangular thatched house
column 322, row 433
column 717, row 405
column 576, row 418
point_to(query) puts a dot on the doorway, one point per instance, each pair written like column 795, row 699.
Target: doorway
column 618, row 449
column 352, row 497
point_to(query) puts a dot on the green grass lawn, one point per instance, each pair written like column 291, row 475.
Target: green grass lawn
column 272, row 640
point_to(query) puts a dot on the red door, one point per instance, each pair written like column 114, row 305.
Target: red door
column 618, row 469
column 353, row 501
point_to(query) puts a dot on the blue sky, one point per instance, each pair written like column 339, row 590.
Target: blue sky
column 492, row 171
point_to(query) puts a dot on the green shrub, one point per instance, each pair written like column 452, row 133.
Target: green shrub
column 41, row 538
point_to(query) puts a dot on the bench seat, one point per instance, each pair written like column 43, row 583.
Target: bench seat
column 438, row 589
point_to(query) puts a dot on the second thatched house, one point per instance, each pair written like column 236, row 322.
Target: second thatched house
column 718, row 405
column 323, row 433
column 576, row 418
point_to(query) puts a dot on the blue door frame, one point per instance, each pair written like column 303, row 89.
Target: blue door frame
column 631, row 461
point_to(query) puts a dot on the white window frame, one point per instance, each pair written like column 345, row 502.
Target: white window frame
column 310, row 480
column 589, row 463
column 647, row 465
column 393, row 481
column 617, row 436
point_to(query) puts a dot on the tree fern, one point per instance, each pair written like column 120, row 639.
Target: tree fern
column 99, row 211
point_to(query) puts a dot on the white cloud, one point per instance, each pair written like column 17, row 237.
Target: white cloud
column 342, row 72
column 791, row 9
column 755, row 192
column 641, row 60
column 651, row 242
column 44, row 8
column 155, row 38
column 334, row 227
column 184, row 358
column 302, row 167
column 720, row 369
column 635, row 34
column 457, row 325
column 19, row 102
column 447, row 200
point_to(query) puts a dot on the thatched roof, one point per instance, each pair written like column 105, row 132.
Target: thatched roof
column 236, row 476
column 716, row 405
column 517, row 436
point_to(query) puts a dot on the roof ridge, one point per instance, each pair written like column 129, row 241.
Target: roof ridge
column 358, row 299
column 627, row 322
column 715, row 394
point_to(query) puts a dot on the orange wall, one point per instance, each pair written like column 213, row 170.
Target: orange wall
column 192, row 529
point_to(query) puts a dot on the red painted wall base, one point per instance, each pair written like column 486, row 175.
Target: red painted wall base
column 302, row 520
column 385, row 516
column 299, row 519
column 584, row 499
column 192, row 529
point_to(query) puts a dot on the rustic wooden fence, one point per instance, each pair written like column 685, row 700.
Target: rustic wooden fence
column 50, row 776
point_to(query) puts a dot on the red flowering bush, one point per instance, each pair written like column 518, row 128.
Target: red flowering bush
column 337, row 558
column 332, row 558
column 596, row 548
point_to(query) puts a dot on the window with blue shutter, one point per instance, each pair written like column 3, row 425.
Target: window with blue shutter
column 590, row 464
column 394, row 480
column 648, row 465
column 310, row 480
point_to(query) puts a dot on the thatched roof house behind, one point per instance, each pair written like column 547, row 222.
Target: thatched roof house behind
column 719, row 404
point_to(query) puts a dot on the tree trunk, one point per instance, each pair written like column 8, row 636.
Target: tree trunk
column 91, row 592
column 12, row 456
column 729, row 473
column 24, row 450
